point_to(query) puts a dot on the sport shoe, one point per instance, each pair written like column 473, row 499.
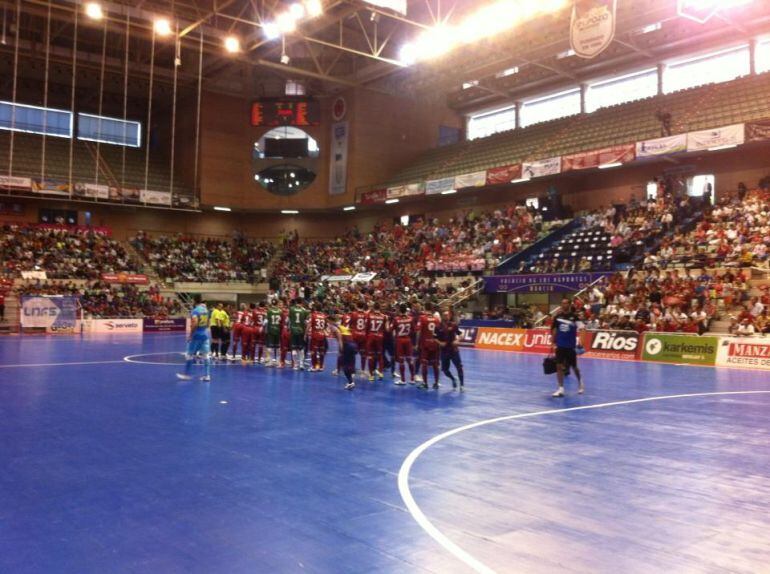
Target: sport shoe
column 581, row 388
column 396, row 375
column 206, row 378
column 454, row 385
column 399, row 383
column 379, row 375
column 371, row 378
column 418, row 378
column 422, row 386
column 558, row 393
column 436, row 385
column 350, row 386
column 335, row 372
column 183, row 377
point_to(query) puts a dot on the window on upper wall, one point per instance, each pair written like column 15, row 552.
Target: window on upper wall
column 721, row 66
column 551, row 107
column 488, row 123
column 35, row 120
column 627, row 88
column 294, row 88
column 762, row 56
column 109, row 130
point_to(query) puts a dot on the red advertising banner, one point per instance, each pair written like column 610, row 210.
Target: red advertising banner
column 758, row 131
column 125, row 278
column 585, row 160
column 625, row 345
column 374, row 196
column 503, row 174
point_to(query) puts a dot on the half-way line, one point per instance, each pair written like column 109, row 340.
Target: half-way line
column 440, row 537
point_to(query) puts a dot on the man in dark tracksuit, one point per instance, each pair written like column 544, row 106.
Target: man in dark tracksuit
column 448, row 336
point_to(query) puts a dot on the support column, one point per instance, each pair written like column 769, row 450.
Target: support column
column 583, row 94
column 661, row 71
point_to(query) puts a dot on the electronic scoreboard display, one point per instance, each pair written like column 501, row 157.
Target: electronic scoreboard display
column 285, row 113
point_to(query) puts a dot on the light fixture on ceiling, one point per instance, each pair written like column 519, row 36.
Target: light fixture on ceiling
column 221, row 208
column 94, row 11
column 349, row 208
column 271, row 30
column 721, row 147
column 483, row 23
column 162, row 27
column 289, row 211
column 609, row 165
column 449, row 192
column 232, row 45
column 391, row 201
column 314, row 8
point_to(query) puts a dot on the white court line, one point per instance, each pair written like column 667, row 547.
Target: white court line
column 440, row 537
column 60, row 364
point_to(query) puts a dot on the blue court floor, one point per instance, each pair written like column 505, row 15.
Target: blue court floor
column 115, row 466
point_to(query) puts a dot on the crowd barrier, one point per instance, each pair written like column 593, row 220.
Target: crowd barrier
column 680, row 349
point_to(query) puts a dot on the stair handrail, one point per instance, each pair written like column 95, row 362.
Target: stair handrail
column 583, row 290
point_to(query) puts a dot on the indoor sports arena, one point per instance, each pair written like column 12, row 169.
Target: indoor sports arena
column 384, row 286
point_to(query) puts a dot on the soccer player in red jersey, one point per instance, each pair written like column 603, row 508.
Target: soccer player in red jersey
column 260, row 322
column 238, row 329
column 403, row 329
column 358, row 330
column 376, row 324
column 248, row 335
column 428, row 344
column 317, row 330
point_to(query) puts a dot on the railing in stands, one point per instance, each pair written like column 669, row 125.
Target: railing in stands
column 463, row 294
column 578, row 294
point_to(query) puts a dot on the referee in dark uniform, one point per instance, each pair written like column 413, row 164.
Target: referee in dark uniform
column 564, row 333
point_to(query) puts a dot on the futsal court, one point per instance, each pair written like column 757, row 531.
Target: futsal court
column 112, row 465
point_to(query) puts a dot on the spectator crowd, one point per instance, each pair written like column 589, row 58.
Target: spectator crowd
column 62, row 252
column 103, row 300
column 182, row 258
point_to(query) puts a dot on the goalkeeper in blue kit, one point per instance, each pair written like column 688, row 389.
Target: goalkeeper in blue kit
column 198, row 341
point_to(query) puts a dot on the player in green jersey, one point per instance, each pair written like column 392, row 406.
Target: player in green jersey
column 298, row 316
column 273, row 339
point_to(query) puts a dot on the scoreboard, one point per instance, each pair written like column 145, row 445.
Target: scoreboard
column 285, row 113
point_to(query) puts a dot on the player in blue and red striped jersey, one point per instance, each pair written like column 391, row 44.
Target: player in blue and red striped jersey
column 449, row 339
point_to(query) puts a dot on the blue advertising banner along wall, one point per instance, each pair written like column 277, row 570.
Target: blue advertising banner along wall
column 542, row 282
column 50, row 313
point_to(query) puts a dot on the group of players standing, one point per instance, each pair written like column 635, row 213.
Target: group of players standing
column 383, row 338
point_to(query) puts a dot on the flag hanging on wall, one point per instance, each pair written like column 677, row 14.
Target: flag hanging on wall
column 592, row 27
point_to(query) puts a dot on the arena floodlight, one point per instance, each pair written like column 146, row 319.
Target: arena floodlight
column 271, row 30
column 391, row 201
column 94, row 11
column 221, row 208
column 162, row 27
column 483, row 23
column 449, row 192
column 314, row 8
column 290, row 211
column 609, row 165
column 286, row 24
column 232, row 45
column 349, row 208
column 297, row 10
column 520, row 180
